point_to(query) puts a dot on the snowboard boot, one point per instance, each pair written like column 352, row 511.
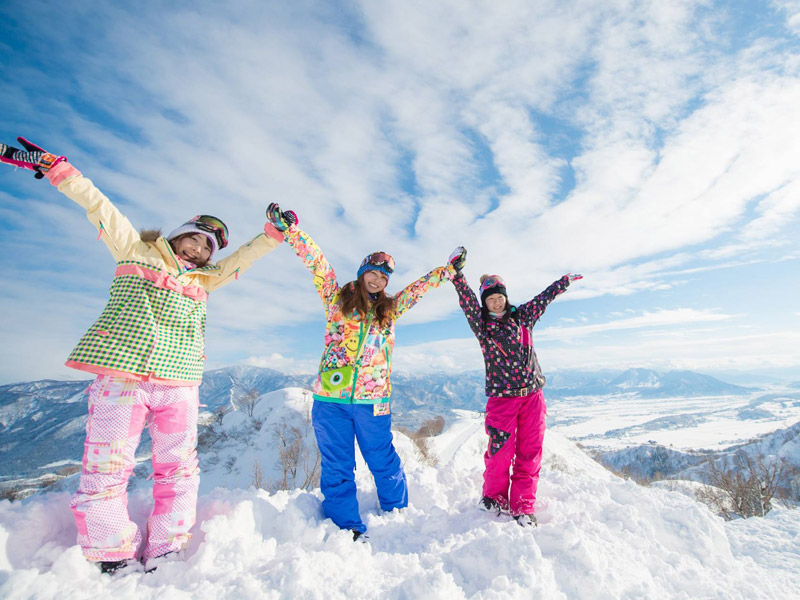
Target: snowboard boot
column 526, row 520
column 151, row 564
column 489, row 505
column 359, row 536
column 109, row 567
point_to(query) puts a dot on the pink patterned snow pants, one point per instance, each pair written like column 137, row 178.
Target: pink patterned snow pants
column 118, row 411
column 516, row 433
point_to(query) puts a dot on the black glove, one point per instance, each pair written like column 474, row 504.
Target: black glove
column 33, row 157
column 458, row 258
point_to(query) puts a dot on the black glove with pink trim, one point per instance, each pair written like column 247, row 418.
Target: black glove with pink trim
column 33, row 157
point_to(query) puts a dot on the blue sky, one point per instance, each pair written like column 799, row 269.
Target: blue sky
column 652, row 146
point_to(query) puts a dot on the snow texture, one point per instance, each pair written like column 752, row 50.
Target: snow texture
column 599, row 536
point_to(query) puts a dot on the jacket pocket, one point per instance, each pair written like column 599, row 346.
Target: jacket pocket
column 336, row 380
column 104, row 457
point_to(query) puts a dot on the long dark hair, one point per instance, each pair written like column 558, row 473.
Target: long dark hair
column 356, row 299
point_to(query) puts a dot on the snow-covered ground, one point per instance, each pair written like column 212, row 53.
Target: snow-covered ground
column 684, row 423
column 599, row 537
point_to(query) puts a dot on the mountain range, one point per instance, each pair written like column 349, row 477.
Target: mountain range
column 42, row 422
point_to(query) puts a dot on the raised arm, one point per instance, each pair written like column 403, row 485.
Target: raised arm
column 237, row 263
column 466, row 297
column 531, row 311
column 114, row 229
column 413, row 293
column 468, row 302
column 118, row 234
column 308, row 251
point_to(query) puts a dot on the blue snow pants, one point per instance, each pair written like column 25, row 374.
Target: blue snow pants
column 336, row 426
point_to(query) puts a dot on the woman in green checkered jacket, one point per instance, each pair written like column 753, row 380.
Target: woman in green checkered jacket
column 146, row 349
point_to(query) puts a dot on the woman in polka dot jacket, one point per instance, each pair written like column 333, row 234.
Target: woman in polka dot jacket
column 146, row 349
column 515, row 410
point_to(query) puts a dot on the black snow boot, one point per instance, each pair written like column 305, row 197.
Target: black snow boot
column 526, row 520
column 109, row 567
column 489, row 505
column 359, row 536
column 151, row 564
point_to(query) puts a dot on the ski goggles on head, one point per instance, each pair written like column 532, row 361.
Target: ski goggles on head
column 212, row 225
column 380, row 259
column 492, row 281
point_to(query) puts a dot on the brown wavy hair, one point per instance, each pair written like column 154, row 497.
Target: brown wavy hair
column 356, row 299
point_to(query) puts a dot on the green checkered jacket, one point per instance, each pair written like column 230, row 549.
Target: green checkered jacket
column 153, row 326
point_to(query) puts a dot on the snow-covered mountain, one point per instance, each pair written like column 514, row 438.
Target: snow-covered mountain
column 41, row 423
column 223, row 386
column 600, row 536
column 645, row 383
column 649, row 461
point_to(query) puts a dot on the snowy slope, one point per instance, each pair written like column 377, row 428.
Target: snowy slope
column 600, row 537
column 645, row 461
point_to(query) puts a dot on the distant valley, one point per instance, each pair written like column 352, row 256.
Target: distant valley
column 42, row 422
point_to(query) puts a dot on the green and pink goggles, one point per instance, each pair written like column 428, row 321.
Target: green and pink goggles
column 212, row 225
column 377, row 261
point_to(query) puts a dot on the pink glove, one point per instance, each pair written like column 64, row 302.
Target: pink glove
column 573, row 276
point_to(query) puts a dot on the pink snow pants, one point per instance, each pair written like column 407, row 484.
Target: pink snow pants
column 118, row 411
column 515, row 427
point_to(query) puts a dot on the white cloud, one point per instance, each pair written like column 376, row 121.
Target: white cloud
column 775, row 211
column 414, row 127
column 631, row 333
column 285, row 364
column 692, row 348
column 660, row 318
column 792, row 10
column 708, row 350
column 452, row 355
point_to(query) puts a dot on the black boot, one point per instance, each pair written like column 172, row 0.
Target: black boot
column 526, row 520
column 489, row 505
column 151, row 564
column 359, row 536
column 109, row 567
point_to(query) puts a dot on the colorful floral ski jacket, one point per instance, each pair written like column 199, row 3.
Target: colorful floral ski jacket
column 153, row 327
column 356, row 364
column 512, row 368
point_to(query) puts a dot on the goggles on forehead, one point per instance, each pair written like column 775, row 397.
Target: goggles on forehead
column 492, row 281
column 212, row 225
column 380, row 259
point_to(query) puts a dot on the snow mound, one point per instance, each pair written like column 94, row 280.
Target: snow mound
column 599, row 537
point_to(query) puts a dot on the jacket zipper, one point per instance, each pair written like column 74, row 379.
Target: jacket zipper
column 499, row 347
column 358, row 359
column 100, row 233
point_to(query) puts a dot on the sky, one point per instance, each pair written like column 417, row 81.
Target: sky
column 650, row 146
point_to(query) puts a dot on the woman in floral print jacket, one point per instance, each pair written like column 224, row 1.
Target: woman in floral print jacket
column 515, row 410
column 353, row 388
